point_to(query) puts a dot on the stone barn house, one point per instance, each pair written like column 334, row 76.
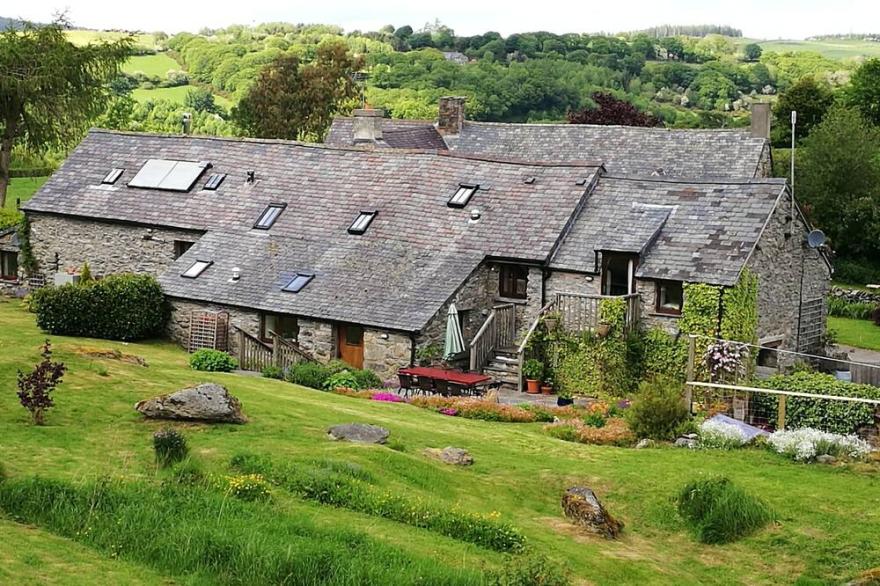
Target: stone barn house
column 354, row 253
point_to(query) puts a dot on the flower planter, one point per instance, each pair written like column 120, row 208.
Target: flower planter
column 564, row 401
column 546, row 390
column 550, row 323
column 533, row 387
column 603, row 330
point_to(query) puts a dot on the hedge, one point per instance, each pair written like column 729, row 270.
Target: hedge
column 827, row 415
column 118, row 307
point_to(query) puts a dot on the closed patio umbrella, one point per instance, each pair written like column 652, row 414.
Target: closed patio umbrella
column 454, row 341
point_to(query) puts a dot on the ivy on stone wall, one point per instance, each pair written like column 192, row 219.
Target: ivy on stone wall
column 699, row 314
column 26, row 259
column 739, row 317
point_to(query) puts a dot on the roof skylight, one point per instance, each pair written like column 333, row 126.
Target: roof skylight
column 214, row 181
column 196, row 269
column 461, row 197
column 296, row 284
column 169, row 175
column 269, row 216
column 362, row 222
column 112, row 176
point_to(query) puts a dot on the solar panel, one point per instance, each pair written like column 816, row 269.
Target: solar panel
column 214, row 181
column 170, row 175
column 269, row 215
column 296, row 284
column 196, row 269
column 112, row 176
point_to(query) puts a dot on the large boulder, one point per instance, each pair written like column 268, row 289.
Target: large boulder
column 204, row 402
column 581, row 505
column 450, row 455
column 361, row 433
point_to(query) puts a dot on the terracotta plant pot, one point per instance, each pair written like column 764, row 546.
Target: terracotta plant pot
column 546, row 390
column 533, row 387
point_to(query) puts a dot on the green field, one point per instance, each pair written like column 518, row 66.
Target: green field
column 173, row 94
column 22, row 188
column 828, row 517
column 832, row 49
column 84, row 37
column 159, row 64
column 861, row 333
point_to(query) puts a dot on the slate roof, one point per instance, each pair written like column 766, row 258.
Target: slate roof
column 396, row 133
column 624, row 150
column 708, row 235
column 417, row 248
column 9, row 240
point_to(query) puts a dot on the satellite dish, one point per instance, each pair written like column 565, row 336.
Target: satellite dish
column 816, row 238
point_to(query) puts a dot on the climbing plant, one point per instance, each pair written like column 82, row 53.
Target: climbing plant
column 27, row 260
column 739, row 317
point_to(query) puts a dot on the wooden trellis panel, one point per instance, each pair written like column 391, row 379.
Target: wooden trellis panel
column 209, row 329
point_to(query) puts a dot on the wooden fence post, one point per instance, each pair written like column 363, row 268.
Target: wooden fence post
column 692, row 356
column 780, row 416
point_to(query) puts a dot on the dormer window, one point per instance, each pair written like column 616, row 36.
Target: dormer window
column 296, row 284
column 214, row 181
column 269, row 216
column 461, row 197
column 362, row 222
column 196, row 269
column 112, row 176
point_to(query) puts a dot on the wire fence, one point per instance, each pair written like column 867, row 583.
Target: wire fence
column 731, row 378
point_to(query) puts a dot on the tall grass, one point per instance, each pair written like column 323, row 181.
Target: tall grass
column 194, row 532
column 720, row 512
column 839, row 307
column 343, row 489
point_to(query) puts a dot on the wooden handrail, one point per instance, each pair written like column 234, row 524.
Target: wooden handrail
column 294, row 346
column 497, row 331
column 534, row 326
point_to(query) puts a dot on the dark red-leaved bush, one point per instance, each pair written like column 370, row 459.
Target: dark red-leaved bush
column 35, row 388
column 612, row 111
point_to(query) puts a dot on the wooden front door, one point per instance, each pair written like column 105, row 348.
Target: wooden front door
column 350, row 341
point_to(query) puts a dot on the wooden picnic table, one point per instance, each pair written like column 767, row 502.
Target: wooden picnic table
column 467, row 379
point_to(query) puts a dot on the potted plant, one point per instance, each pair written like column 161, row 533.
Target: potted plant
column 547, row 388
column 533, row 371
column 565, row 398
column 551, row 320
column 603, row 329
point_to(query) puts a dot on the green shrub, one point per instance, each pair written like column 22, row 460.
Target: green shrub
column 308, row 374
column 530, row 570
column 9, row 218
column 720, row 512
column 170, row 447
column 337, row 365
column 856, row 271
column 275, row 372
column 826, row 415
column 347, row 492
column 664, row 354
column 166, row 527
column 367, row 379
column 840, row 307
column 118, row 307
column 212, row 360
column 188, row 473
column 658, row 410
column 343, row 378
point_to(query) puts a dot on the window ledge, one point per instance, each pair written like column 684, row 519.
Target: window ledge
column 513, row 300
column 661, row 314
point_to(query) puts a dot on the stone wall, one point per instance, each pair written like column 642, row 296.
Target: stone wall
column 318, row 338
column 649, row 317
column 107, row 247
column 386, row 351
column 181, row 314
column 856, row 295
column 765, row 163
column 777, row 263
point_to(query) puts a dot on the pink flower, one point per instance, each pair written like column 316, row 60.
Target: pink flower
column 388, row 397
column 451, row 411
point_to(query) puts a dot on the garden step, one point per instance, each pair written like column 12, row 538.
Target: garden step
column 503, row 366
column 505, row 359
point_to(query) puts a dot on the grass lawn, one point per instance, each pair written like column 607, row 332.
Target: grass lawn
column 832, row 48
column 828, row 517
column 22, row 188
column 158, row 64
column 84, row 37
column 861, row 333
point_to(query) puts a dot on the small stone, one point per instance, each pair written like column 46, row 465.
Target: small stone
column 450, row 455
column 686, row 442
column 826, row 459
column 361, row 433
column 581, row 505
column 645, row 443
column 204, row 402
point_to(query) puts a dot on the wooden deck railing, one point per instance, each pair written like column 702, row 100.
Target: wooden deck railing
column 498, row 331
column 523, row 346
column 255, row 354
column 581, row 313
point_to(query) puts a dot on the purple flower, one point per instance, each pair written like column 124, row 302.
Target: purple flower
column 623, row 404
column 388, row 397
column 451, row 411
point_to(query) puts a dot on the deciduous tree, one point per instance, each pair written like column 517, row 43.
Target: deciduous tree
column 810, row 99
column 51, row 89
column 864, row 90
column 611, row 111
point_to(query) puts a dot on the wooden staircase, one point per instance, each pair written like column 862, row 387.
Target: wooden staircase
column 503, row 366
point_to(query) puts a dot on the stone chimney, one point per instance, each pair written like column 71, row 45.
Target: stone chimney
column 367, row 127
column 761, row 120
column 451, row 115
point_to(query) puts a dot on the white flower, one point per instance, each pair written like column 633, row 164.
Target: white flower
column 718, row 434
column 806, row 444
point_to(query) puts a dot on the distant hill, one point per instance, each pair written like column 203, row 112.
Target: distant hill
column 6, row 23
column 696, row 30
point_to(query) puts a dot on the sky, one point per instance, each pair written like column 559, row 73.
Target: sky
column 764, row 19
